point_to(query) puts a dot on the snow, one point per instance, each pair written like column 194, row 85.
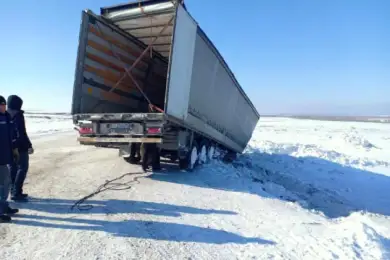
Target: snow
column 342, row 159
column 303, row 189
column 43, row 124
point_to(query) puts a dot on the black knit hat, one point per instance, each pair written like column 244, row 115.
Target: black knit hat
column 15, row 102
column 3, row 101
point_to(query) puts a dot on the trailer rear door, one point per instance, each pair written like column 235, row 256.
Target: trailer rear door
column 101, row 84
column 180, row 70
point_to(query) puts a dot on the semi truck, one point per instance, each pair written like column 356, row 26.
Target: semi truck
column 146, row 73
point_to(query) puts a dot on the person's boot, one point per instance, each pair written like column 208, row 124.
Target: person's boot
column 156, row 164
column 11, row 211
column 145, row 167
column 19, row 198
column 156, row 167
column 5, row 219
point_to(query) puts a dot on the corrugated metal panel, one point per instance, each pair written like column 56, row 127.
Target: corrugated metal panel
column 145, row 20
column 106, row 55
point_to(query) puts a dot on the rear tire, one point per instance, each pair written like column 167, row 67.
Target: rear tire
column 211, row 152
column 183, row 163
column 203, row 147
column 191, row 160
column 132, row 160
column 229, row 157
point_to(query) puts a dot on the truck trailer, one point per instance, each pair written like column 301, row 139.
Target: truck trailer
column 146, row 73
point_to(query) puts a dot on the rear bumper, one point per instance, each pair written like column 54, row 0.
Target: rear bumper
column 118, row 140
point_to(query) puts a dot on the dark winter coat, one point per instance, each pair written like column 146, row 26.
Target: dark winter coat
column 23, row 141
column 14, row 108
column 7, row 139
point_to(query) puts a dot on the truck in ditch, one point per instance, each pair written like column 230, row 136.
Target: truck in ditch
column 146, row 73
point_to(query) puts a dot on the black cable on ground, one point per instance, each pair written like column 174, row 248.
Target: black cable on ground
column 108, row 185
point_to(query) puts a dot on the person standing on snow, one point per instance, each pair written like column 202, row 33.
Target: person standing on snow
column 19, row 170
column 8, row 153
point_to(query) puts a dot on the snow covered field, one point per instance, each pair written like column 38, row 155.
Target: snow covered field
column 39, row 124
column 302, row 190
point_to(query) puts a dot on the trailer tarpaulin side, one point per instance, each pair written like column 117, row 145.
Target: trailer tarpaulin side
column 203, row 92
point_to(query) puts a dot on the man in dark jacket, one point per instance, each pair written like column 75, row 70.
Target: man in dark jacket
column 8, row 154
column 19, row 170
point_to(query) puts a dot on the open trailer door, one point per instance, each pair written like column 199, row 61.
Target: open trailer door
column 113, row 73
column 180, row 68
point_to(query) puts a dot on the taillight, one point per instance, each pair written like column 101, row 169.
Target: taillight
column 85, row 130
column 154, row 130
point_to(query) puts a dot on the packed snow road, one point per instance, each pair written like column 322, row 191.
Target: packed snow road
column 302, row 190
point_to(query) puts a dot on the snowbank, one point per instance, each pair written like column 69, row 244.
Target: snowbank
column 301, row 190
column 334, row 167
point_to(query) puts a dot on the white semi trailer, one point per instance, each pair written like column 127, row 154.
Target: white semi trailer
column 147, row 73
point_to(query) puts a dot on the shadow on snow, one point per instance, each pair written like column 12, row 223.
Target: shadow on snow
column 130, row 228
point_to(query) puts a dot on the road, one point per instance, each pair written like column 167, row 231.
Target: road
column 210, row 213
column 151, row 220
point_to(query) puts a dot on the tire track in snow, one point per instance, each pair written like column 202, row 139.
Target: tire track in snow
column 228, row 176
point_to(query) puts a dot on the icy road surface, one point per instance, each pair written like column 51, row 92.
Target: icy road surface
column 302, row 190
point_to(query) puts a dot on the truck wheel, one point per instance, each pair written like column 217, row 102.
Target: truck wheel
column 191, row 160
column 183, row 163
column 211, row 152
column 229, row 157
column 203, row 153
column 132, row 160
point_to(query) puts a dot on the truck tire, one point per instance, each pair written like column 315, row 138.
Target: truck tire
column 189, row 162
column 183, row 163
column 229, row 157
column 203, row 148
column 132, row 160
column 211, row 152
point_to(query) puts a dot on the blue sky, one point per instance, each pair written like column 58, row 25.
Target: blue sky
column 302, row 56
